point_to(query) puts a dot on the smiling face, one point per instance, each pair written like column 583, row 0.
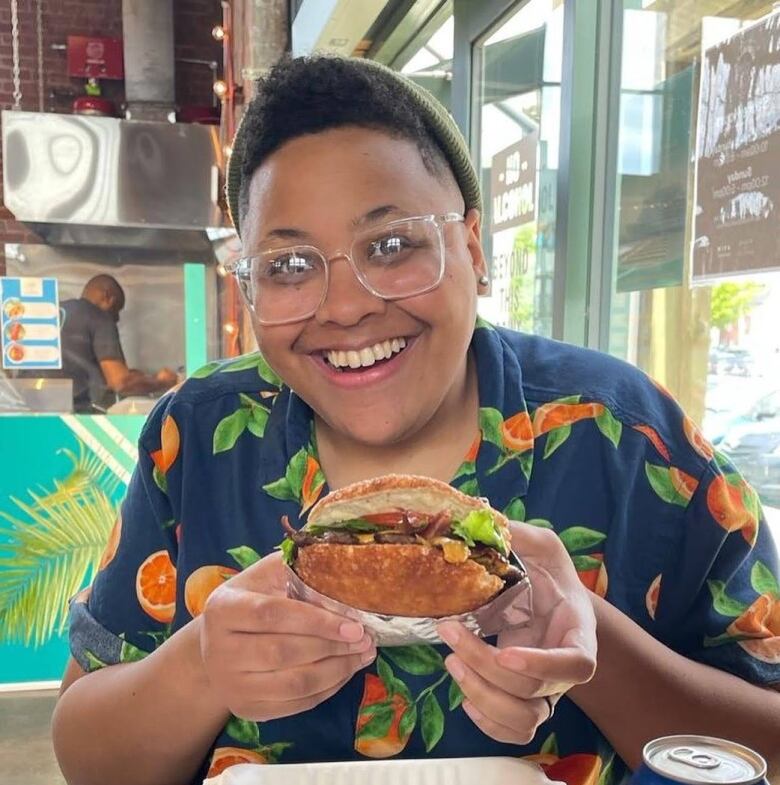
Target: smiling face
column 319, row 190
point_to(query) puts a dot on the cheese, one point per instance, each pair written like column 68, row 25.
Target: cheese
column 365, row 539
column 455, row 551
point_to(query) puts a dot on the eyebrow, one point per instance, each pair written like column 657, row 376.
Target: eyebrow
column 377, row 214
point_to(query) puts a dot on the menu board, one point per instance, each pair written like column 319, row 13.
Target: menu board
column 30, row 323
column 736, row 221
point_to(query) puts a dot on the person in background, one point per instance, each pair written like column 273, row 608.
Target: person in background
column 92, row 353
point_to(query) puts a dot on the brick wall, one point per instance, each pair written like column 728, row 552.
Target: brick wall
column 193, row 20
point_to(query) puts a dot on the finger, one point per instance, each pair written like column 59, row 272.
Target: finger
column 484, row 659
column 303, row 681
column 262, row 711
column 534, row 542
column 240, row 610
column 556, row 669
column 495, row 730
column 268, row 652
column 521, row 716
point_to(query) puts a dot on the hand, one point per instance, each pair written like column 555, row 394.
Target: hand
column 167, row 377
column 269, row 656
column 507, row 688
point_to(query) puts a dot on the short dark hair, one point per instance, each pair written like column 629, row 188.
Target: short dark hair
column 105, row 285
column 306, row 95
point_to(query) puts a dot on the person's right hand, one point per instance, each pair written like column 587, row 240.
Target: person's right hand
column 167, row 377
column 268, row 656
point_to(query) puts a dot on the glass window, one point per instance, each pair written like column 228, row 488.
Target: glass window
column 431, row 65
column 517, row 72
column 717, row 347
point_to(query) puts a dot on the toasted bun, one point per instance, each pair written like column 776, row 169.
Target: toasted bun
column 396, row 580
column 400, row 492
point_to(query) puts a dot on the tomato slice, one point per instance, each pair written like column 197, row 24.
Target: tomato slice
column 392, row 518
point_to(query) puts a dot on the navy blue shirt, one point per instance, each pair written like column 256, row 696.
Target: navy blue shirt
column 654, row 519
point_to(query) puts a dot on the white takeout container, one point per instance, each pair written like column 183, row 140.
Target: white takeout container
column 431, row 771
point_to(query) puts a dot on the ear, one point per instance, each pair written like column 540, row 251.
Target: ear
column 473, row 223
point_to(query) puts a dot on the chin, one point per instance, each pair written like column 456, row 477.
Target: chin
column 371, row 433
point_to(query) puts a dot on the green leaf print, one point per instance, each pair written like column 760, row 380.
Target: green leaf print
column 385, row 672
column 540, row 523
column 206, row 370
column 242, row 363
column 258, row 417
column 467, row 468
column 160, row 480
column 266, row 373
column 280, row 489
column 722, row 603
column 723, row 463
column 296, row 471
column 585, row 563
column 483, row 324
column 245, row 731
column 408, row 721
column 609, row 426
column 432, row 722
column 763, row 581
column 455, row 695
column 579, row 538
column 470, row 487
column 549, row 746
column 605, row 778
column 661, row 482
column 419, row 659
column 130, row 653
column 94, row 663
column 724, row 639
column 244, row 555
column 515, row 510
column 555, row 439
column 273, row 752
column 380, row 722
column 490, row 422
column 229, row 429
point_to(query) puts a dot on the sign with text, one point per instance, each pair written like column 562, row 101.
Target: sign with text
column 30, row 323
column 513, row 185
column 736, row 226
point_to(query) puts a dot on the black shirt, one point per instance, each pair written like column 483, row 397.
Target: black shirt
column 89, row 335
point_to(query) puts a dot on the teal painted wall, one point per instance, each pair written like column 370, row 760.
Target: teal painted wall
column 30, row 457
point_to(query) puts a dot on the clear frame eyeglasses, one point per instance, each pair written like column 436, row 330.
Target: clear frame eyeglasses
column 399, row 259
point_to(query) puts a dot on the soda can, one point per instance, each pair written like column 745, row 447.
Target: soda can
column 699, row 760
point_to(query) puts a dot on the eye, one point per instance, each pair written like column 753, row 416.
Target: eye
column 290, row 264
column 388, row 246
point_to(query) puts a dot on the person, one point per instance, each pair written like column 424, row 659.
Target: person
column 359, row 213
column 92, row 353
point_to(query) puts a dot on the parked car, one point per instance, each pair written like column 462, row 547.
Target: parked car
column 752, row 441
column 730, row 360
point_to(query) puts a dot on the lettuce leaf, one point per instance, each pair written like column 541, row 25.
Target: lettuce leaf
column 479, row 526
column 354, row 525
column 287, row 547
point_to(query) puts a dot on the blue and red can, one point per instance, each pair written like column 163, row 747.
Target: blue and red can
column 699, row 760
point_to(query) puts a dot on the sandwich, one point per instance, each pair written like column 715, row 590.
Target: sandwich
column 402, row 545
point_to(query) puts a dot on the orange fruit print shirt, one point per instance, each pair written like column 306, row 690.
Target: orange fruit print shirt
column 655, row 520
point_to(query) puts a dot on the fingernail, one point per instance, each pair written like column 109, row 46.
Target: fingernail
column 455, row 667
column 449, row 632
column 512, row 660
column 351, row 631
column 368, row 657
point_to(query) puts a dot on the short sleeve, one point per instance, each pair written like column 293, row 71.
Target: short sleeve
column 105, row 340
column 736, row 614
column 129, row 608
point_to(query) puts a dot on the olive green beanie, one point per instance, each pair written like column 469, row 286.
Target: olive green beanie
column 437, row 120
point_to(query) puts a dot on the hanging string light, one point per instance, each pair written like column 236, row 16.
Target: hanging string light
column 17, row 94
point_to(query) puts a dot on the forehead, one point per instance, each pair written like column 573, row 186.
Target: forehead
column 337, row 175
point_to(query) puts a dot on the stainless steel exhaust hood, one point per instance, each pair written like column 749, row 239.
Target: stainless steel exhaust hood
column 103, row 181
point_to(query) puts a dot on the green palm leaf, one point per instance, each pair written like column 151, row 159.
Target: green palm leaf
column 47, row 554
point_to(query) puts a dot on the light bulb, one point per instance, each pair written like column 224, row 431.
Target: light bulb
column 220, row 88
column 218, row 32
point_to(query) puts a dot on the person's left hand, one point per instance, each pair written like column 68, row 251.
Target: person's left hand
column 512, row 688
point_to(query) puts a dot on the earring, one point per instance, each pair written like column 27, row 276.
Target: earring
column 483, row 280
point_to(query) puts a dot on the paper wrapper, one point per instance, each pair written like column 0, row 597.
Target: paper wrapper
column 511, row 608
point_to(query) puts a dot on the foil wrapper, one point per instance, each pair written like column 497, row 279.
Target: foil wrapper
column 512, row 608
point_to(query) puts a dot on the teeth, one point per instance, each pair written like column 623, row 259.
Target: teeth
column 365, row 358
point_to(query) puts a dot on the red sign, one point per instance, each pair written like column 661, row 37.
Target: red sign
column 97, row 57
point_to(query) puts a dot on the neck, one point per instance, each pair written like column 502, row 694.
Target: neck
column 435, row 450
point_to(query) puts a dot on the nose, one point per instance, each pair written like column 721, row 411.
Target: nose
column 347, row 301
